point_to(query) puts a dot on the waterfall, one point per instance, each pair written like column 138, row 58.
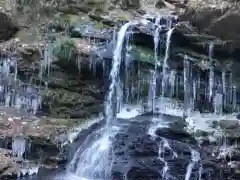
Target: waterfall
column 165, row 64
column 91, row 161
column 114, row 74
column 152, row 84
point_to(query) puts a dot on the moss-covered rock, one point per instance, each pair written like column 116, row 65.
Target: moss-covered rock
column 65, row 49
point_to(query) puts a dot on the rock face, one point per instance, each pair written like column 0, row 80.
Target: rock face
column 210, row 17
column 135, row 155
column 8, row 26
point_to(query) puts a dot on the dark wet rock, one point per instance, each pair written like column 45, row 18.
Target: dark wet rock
column 160, row 4
column 176, row 134
column 8, row 26
column 135, row 154
column 229, row 124
column 130, row 4
column 213, row 169
column 185, row 35
column 201, row 133
column 238, row 116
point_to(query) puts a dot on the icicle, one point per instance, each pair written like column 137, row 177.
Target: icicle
column 187, row 95
column 16, row 71
column 172, row 81
column 18, row 103
column 35, row 104
column 7, row 99
column 165, row 64
column 230, row 90
column 194, row 92
column 218, row 103
column 224, row 88
column 211, row 73
column 18, row 147
column 234, row 98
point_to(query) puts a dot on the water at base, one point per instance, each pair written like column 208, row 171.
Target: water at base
column 91, row 159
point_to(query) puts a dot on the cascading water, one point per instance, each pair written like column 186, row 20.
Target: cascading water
column 114, row 74
column 91, row 161
column 153, row 79
column 152, row 84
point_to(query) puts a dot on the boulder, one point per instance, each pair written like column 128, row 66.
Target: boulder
column 8, row 167
column 130, row 4
column 8, row 26
column 210, row 17
column 176, row 134
column 229, row 124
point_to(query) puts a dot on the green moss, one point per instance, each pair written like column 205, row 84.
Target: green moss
column 124, row 16
column 71, row 19
column 27, row 2
column 99, row 25
column 94, row 2
column 143, row 54
column 64, row 49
